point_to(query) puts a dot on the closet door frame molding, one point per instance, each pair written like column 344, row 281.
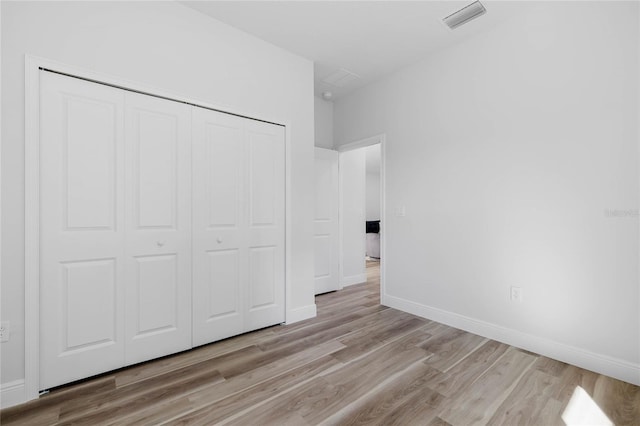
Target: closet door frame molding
column 33, row 66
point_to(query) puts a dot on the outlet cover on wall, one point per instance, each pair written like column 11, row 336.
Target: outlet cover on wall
column 400, row 211
column 516, row 294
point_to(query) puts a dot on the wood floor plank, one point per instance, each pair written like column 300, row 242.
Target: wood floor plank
column 164, row 365
column 46, row 415
column 387, row 397
column 324, row 395
column 357, row 378
column 550, row 366
column 467, row 371
column 447, row 352
column 341, row 316
column 373, row 337
column 46, row 410
column 574, row 376
column 206, row 370
column 219, row 410
column 478, row 402
column 437, row 421
column 420, row 409
column 619, row 400
column 525, row 405
column 234, row 385
column 324, row 330
column 310, row 393
column 122, row 406
column 357, row 362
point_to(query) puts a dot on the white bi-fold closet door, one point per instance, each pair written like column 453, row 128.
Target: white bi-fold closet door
column 118, row 222
column 238, row 228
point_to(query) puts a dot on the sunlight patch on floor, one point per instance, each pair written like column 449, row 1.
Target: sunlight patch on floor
column 583, row 411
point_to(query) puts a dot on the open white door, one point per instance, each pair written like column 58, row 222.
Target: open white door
column 353, row 216
column 326, row 227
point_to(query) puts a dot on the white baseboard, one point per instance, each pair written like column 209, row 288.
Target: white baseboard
column 301, row 313
column 354, row 279
column 12, row 393
column 603, row 364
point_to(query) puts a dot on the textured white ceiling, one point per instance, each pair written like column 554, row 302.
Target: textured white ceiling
column 368, row 38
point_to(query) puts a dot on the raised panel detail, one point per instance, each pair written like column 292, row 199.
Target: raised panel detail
column 322, row 254
column 224, row 168
column 324, row 191
column 89, row 169
column 88, row 297
column 156, row 140
column 262, row 278
column 224, row 283
column 263, row 184
column 157, row 293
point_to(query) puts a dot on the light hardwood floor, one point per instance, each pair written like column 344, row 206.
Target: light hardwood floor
column 356, row 363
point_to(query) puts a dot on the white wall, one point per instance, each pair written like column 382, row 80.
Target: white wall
column 352, row 216
column 158, row 44
column 510, row 150
column 323, row 113
column 373, row 182
column 373, row 196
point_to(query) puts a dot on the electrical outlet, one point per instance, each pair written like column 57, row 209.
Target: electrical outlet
column 4, row 331
column 400, row 211
column 516, row 294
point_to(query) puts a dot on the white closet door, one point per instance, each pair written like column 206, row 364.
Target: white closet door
column 82, row 229
column 158, row 231
column 326, row 227
column 238, row 225
column 219, row 231
column 265, row 224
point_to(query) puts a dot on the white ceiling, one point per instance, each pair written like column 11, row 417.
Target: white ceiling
column 368, row 38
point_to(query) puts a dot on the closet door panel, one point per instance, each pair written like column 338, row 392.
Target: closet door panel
column 262, row 280
column 219, row 254
column 223, row 157
column 263, row 178
column 155, row 166
column 158, row 249
column 224, row 288
column 88, row 293
column 265, row 226
column 157, row 289
column 81, row 229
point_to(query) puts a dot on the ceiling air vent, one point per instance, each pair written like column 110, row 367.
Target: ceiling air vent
column 465, row 15
column 340, row 78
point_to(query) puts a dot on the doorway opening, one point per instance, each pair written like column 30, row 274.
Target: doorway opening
column 362, row 212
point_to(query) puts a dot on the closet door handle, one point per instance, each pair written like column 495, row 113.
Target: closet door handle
column 219, row 240
column 159, row 243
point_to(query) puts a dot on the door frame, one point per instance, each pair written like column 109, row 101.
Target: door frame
column 363, row 143
column 33, row 65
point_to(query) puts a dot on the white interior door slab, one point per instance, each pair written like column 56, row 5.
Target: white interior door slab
column 326, row 226
column 219, row 254
column 82, row 229
column 265, row 224
column 238, row 225
column 352, row 166
column 158, row 227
